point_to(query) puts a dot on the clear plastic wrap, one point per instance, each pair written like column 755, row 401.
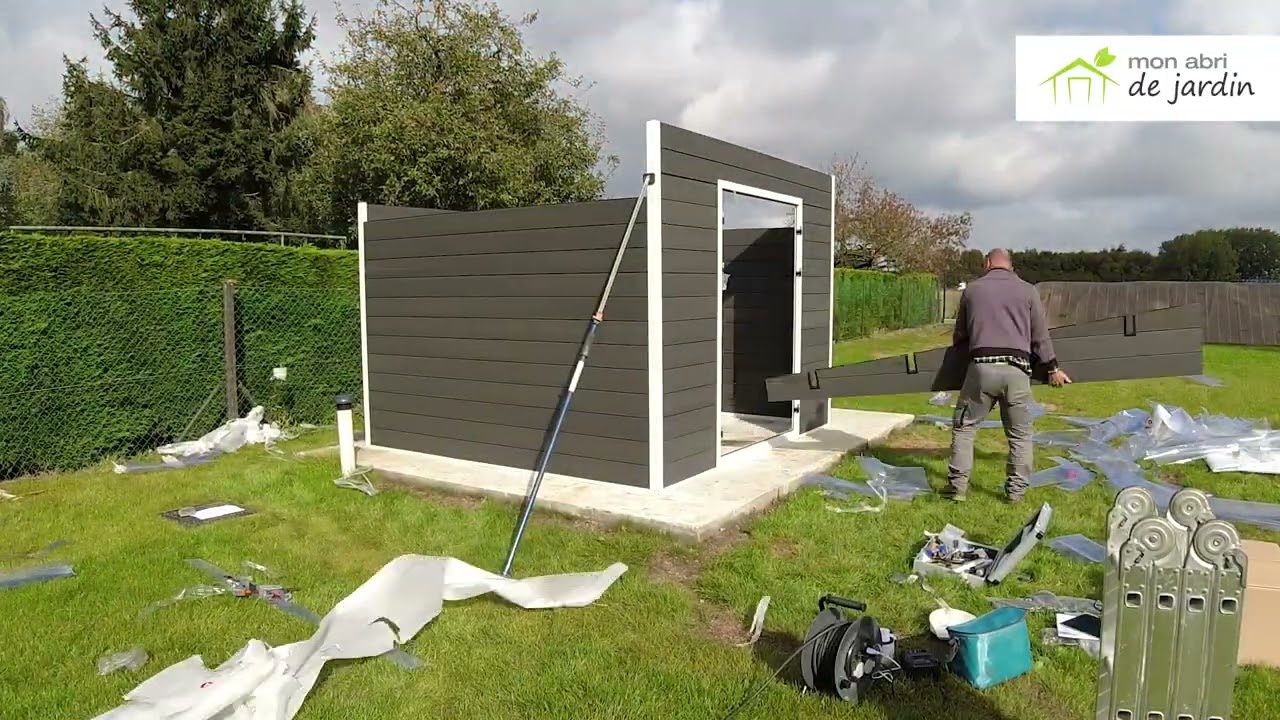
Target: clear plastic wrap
column 358, row 480
column 1207, row 380
column 884, row 482
column 1060, row 438
column 941, row 399
column 35, row 574
column 1066, row 474
column 132, row 659
column 1049, row 602
column 1079, row 547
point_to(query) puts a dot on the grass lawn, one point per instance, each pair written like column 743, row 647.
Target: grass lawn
column 659, row 644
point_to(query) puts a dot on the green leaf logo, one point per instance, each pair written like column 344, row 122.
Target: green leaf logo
column 1103, row 58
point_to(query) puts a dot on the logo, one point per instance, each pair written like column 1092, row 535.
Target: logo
column 1082, row 72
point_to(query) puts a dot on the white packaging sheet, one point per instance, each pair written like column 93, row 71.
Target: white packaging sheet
column 264, row 683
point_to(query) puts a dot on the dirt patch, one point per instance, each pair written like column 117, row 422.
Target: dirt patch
column 438, row 497
column 718, row 623
column 681, row 569
column 784, row 549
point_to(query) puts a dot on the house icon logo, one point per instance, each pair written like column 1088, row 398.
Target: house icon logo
column 1080, row 72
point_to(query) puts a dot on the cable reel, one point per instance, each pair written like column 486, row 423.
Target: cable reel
column 843, row 656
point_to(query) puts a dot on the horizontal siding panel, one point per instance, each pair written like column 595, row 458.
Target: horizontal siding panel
column 392, row 212
column 687, row 190
column 690, row 308
column 815, row 320
column 531, row 308
column 690, row 261
column 593, row 377
column 591, row 237
column 779, row 269
column 694, row 443
column 692, row 167
column 577, row 422
column 623, row 357
column 560, row 463
column 696, row 353
column 680, row 470
column 596, row 448
column 682, row 401
column 680, row 425
column 618, row 332
column 815, row 301
column 678, row 237
column 566, row 262
column 690, row 376
column 728, row 153
column 675, row 212
column 508, row 392
column 540, row 286
column 596, row 212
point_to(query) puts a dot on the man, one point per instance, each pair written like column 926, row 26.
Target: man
column 1001, row 326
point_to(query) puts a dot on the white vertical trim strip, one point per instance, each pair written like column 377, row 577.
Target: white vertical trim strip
column 653, row 315
column 797, row 318
column 362, row 215
column 719, row 294
column 831, row 293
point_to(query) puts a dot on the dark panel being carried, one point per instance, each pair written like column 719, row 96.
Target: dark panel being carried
column 474, row 321
column 1234, row 313
column 691, row 166
column 757, row 337
column 1164, row 343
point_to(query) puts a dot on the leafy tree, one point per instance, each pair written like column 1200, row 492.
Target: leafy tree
column 189, row 133
column 1204, row 255
column 876, row 226
column 1257, row 252
column 438, row 103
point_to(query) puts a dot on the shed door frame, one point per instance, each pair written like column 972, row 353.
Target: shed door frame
column 797, row 295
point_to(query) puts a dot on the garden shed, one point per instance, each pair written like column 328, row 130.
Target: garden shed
column 471, row 321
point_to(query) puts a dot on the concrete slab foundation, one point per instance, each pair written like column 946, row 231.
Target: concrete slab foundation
column 746, row 481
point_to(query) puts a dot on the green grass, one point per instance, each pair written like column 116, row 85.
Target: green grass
column 657, row 645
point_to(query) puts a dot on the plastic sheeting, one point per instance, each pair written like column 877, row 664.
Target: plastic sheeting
column 1067, row 475
column 884, row 482
column 1060, row 438
column 1207, row 380
column 757, row 622
column 1048, row 601
column 1079, row 547
column 38, row 573
column 264, row 683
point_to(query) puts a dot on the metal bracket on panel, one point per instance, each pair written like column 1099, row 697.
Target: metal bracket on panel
column 1130, row 325
column 799, row 273
column 912, row 368
column 799, row 231
column 812, row 377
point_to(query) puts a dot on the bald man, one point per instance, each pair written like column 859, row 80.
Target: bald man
column 1001, row 326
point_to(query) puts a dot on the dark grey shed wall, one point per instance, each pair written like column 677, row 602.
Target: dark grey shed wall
column 474, row 321
column 757, row 318
column 690, row 166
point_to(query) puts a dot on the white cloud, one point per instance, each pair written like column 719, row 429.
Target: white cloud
column 920, row 89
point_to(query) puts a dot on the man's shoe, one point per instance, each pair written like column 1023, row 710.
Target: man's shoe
column 1013, row 499
column 952, row 494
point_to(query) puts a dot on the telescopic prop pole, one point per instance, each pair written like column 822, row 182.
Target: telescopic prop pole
column 567, row 396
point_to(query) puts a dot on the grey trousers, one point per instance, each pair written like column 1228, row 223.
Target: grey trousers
column 985, row 385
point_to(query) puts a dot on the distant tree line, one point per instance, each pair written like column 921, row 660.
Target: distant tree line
column 1232, row 254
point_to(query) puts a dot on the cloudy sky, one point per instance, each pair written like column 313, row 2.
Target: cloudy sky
column 920, row 89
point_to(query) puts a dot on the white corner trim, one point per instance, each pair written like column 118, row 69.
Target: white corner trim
column 719, row 295
column 831, row 293
column 797, row 310
column 362, row 215
column 759, row 193
column 653, row 294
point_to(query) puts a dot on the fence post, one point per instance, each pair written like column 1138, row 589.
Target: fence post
column 230, row 374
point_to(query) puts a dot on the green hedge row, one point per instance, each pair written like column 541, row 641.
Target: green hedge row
column 868, row 301
column 41, row 263
column 115, row 345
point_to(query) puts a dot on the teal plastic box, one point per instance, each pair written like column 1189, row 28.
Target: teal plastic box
column 993, row 648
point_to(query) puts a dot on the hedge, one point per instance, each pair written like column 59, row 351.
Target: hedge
column 868, row 301
column 114, row 345
column 41, row 263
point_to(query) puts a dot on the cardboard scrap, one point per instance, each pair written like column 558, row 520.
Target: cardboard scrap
column 1260, row 626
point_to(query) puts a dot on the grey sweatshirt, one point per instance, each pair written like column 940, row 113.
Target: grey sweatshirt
column 1000, row 315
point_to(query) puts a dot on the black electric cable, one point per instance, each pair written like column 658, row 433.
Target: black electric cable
column 760, row 688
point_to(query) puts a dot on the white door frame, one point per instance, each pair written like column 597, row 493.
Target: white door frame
column 796, row 302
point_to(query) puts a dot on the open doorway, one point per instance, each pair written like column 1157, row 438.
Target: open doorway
column 759, row 313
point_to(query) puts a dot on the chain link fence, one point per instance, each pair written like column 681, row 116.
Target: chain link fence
column 88, row 376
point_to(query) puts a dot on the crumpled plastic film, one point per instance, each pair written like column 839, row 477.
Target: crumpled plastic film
column 195, row 592
column 941, row 399
column 1207, row 380
column 1048, row 601
column 132, row 659
column 889, row 482
column 1067, row 475
column 1060, row 438
column 390, row 608
column 38, row 573
column 228, row 438
column 1079, row 547
column 358, row 480
column 1049, row 636
column 757, row 622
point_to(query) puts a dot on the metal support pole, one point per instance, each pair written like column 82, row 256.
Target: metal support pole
column 563, row 407
column 229, row 348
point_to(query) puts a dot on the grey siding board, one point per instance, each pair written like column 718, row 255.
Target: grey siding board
column 682, row 401
column 590, row 237
column 586, row 446
column 391, row 212
column 692, row 421
column 756, row 342
column 686, row 354
column 689, row 308
column 691, row 166
column 596, row 212
column 561, row 463
column 600, row 402
column 727, row 153
column 593, row 377
column 474, row 322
